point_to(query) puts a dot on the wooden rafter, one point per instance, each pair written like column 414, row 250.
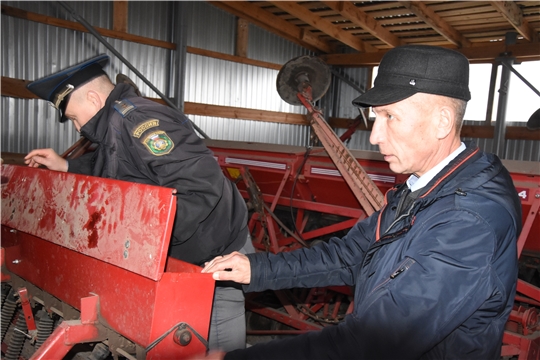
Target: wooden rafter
column 324, row 25
column 272, row 23
column 480, row 54
column 431, row 18
column 360, row 18
column 514, row 15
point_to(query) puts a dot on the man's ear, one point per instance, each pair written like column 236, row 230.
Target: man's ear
column 94, row 98
column 446, row 122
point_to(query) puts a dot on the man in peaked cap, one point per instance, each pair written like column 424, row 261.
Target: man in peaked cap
column 142, row 141
column 434, row 271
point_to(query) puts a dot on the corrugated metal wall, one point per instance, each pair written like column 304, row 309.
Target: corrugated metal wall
column 31, row 50
column 221, row 82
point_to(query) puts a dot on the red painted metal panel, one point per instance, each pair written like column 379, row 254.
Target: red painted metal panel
column 133, row 305
column 121, row 223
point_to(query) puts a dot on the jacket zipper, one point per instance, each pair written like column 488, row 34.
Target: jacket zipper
column 401, row 269
column 398, row 219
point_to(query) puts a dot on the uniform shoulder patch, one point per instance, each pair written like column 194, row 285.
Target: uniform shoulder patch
column 142, row 127
column 158, row 143
column 124, row 107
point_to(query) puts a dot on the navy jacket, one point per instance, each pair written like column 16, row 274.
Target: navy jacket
column 437, row 282
column 142, row 141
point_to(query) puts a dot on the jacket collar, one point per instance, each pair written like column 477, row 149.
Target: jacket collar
column 435, row 189
column 96, row 129
column 449, row 172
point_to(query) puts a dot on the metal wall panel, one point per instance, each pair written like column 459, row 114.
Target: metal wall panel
column 97, row 13
column 151, row 19
column 265, row 46
column 210, row 28
column 225, row 83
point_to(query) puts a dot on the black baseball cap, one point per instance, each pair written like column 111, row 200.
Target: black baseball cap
column 56, row 88
column 410, row 69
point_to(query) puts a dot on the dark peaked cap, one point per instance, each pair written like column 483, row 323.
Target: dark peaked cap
column 410, row 69
column 57, row 87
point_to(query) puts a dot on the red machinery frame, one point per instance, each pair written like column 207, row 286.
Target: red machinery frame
column 100, row 246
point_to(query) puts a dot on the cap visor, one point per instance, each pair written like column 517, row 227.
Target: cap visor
column 383, row 96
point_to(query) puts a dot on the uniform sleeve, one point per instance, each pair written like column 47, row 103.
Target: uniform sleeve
column 436, row 290
column 170, row 154
column 81, row 165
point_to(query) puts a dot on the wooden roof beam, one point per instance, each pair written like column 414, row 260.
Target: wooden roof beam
column 514, row 15
column 436, row 22
column 274, row 24
column 324, row 25
column 476, row 54
column 368, row 23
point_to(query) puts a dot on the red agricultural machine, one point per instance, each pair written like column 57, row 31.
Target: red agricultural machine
column 84, row 267
column 84, row 262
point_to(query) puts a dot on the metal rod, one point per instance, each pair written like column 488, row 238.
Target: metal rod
column 491, row 93
column 511, row 68
column 348, row 81
column 499, row 137
column 93, row 31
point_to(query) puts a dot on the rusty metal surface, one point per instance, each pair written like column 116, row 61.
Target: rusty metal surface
column 121, row 223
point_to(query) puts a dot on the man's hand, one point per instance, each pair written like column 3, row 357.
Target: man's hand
column 46, row 157
column 234, row 267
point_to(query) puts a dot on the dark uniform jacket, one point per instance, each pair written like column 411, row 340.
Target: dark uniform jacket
column 436, row 281
column 142, row 141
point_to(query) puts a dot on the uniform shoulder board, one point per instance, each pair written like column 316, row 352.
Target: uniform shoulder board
column 124, row 107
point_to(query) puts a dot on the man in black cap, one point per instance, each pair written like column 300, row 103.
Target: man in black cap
column 435, row 269
column 142, row 141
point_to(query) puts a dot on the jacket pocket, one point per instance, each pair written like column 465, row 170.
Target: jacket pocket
column 398, row 270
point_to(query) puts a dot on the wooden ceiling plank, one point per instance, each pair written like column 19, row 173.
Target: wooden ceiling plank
column 471, row 30
column 380, row 5
column 463, row 11
column 359, row 17
column 480, row 17
column 324, row 25
column 274, row 24
column 408, row 20
column 513, row 14
column 436, row 22
column 467, row 6
column 473, row 23
column 395, row 13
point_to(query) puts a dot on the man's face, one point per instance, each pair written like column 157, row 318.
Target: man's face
column 80, row 109
column 405, row 132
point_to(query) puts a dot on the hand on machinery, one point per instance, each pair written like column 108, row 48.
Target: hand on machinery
column 232, row 267
column 46, row 157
